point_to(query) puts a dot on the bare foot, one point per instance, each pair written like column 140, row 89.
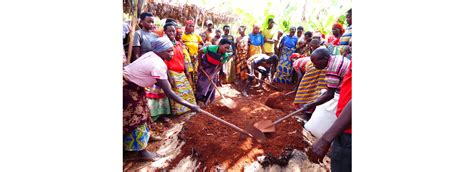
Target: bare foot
column 201, row 104
column 147, row 155
column 155, row 138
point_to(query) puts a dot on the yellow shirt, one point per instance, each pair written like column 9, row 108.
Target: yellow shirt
column 187, row 60
column 192, row 42
column 268, row 34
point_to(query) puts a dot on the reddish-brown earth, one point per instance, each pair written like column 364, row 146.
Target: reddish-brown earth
column 215, row 145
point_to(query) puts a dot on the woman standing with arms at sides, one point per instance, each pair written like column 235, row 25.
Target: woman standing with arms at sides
column 176, row 73
column 256, row 41
column 148, row 70
column 242, row 55
column 333, row 40
column 284, row 69
column 193, row 42
column 346, row 37
column 188, row 64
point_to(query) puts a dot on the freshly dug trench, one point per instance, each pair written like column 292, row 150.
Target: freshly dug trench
column 216, row 146
column 206, row 145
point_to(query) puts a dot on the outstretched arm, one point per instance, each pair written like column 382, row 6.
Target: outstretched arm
column 328, row 95
column 321, row 147
column 165, row 85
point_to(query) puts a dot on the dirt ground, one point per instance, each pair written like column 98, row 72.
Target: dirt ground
column 197, row 142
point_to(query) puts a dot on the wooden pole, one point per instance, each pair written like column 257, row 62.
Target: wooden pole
column 131, row 36
column 132, row 31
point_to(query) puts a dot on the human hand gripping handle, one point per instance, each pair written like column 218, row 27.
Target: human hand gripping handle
column 308, row 106
column 165, row 85
column 320, row 149
column 325, row 97
column 194, row 108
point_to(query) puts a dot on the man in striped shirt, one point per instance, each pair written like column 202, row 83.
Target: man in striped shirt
column 336, row 67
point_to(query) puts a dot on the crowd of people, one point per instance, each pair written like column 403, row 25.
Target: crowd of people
column 172, row 68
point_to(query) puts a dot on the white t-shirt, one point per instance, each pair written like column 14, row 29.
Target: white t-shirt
column 145, row 70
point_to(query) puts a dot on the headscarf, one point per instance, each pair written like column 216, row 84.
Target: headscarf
column 339, row 26
column 295, row 56
column 178, row 29
column 161, row 44
column 265, row 23
column 189, row 22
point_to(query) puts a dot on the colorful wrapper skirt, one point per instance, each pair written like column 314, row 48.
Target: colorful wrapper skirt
column 137, row 140
column 184, row 90
column 311, row 85
column 254, row 50
column 157, row 101
column 241, row 67
column 205, row 90
column 135, row 109
column 284, row 69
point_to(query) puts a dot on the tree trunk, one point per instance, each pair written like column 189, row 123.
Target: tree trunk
column 303, row 19
column 132, row 31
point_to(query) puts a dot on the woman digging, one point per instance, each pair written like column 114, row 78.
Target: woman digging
column 148, row 70
column 261, row 63
column 210, row 60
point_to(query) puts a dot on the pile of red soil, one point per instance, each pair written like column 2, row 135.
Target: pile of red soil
column 278, row 100
column 216, row 145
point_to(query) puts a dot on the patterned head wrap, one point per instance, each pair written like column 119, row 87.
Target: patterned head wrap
column 161, row 44
column 339, row 26
column 189, row 22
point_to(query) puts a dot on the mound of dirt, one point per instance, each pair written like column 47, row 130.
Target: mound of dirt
column 275, row 100
column 203, row 144
column 278, row 100
column 217, row 146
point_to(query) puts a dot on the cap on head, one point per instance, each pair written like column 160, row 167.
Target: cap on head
column 208, row 22
column 293, row 29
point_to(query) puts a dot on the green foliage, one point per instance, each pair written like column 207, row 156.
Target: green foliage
column 342, row 19
column 285, row 26
column 319, row 15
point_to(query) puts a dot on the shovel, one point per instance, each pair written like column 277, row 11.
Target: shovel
column 252, row 131
column 229, row 103
column 266, row 126
column 291, row 92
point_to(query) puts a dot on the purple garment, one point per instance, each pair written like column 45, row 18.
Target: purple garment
column 204, row 86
